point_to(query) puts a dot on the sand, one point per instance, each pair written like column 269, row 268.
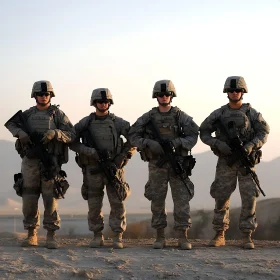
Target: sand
column 75, row 260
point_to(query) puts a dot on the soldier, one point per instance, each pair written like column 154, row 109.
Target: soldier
column 247, row 124
column 102, row 156
column 43, row 132
column 179, row 131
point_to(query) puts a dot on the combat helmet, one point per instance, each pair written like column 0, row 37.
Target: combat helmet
column 101, row 94
column 235, row 82
column 164, row 86
column 42, row 86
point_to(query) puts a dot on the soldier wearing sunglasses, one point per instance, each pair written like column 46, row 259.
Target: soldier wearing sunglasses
column 239, row 120
column 100, row 134
column 54, row 131
column 181, row 133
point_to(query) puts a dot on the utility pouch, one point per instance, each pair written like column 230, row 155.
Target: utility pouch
column 18, row 185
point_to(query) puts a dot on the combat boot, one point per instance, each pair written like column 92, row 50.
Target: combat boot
column 51, row 243
column 31, row 239
column 183, row 242
column 160, row 240
column 98, row 240
column 117, row 240
column 247, row 242
column 218, row 240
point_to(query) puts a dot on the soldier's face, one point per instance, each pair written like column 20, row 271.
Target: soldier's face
column 235, row 96
column 43, row 98
column 164, row 100
column 102, row 106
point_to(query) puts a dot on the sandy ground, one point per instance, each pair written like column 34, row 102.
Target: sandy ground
column 75, row 260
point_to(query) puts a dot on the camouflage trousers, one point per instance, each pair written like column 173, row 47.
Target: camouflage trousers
column 95, row 183
column 222, row 188
column 33, row 185
column 156, row 191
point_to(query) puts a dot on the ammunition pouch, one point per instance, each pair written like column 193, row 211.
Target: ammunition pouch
column 18, row 183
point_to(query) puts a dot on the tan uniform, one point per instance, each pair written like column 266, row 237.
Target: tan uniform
column 34, row 182
column 174, row 124
column 251, row 127
column 107, row 132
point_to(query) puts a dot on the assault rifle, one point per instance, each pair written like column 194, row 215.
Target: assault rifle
column 170, row 156
column 238, row 151
column 107, row 166
column 50, row 168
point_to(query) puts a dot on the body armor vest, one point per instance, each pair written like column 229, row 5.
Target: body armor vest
column 41, row 121
column 241, row 120
column 169, row 127
column 105, row 134
column 167, row 123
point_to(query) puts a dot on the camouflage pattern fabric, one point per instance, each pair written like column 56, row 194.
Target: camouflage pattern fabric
column 33, row 185
column 156, row 191
column 95, row 192
column 222, row 188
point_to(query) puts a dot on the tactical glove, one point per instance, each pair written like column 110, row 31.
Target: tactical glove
column 223, row 148
column 155, row 147
column 48, row 136
column 121, row 160
column 176, row 142
column 248, row 148
column 90, row 152
column 24, row 138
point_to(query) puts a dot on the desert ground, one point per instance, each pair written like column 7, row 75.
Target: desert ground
column 138, row 260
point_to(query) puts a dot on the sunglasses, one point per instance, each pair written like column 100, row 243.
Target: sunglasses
column 232, row 90
column 42, row 94
column 167, row 93
column 102, row 101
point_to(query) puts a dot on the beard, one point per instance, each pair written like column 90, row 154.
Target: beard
column 102, row 110
column 235, row 100
column 164, row 104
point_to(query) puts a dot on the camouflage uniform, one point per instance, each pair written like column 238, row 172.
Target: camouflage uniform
column 253, row 131
column 107, row 131
column 174, row 125
column 34, row 181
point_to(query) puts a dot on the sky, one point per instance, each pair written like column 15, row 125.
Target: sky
column 127, row 46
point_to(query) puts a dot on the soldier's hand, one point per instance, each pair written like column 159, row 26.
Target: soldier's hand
column 48, row 136
column 90, row 152
column 24, row 138
column 223, row 148
column 176, row 142
column 248, row 148
column 120, row 160
column 155, row 147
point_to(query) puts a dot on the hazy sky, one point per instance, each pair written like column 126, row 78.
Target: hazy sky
column 128, row 45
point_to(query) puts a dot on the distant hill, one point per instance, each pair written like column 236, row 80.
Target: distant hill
column 137, row 176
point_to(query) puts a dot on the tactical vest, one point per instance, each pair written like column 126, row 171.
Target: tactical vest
column 241, row 119
column 41, row 121
column 106, row 134
column 169, row 127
